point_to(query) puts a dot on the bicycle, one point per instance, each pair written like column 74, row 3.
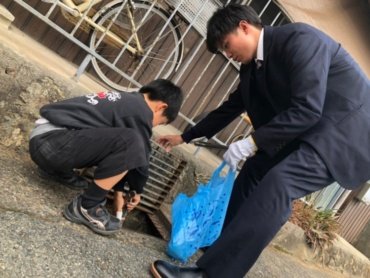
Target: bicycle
column 137, row 36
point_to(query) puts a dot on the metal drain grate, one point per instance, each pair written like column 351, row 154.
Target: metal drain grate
column 164, row 171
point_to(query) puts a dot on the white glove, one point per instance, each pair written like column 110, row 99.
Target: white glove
column 239, row 150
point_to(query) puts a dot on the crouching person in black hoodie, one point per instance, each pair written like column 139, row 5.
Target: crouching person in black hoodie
column 109, row 130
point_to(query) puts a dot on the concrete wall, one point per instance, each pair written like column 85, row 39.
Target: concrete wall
column 363, row 242
column 347, row 21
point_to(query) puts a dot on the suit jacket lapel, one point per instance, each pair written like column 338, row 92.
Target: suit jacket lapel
column 261, row 71
column 245, row 79
column 267, row 41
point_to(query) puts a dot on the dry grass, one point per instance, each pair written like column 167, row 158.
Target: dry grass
column 320, row 227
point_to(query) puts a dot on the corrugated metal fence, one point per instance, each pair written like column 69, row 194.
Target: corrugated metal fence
column 353, row 218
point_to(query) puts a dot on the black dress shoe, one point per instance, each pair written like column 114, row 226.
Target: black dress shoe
column 162, row 269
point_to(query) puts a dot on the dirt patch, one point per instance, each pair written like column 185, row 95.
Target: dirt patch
column 24, row 88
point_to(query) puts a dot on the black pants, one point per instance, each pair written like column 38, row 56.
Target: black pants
column 257, row 210
column 112, row 150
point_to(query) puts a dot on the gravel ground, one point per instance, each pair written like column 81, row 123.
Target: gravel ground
column 36, row 241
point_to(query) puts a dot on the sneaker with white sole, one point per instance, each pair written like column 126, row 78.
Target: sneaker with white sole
column 97, row 218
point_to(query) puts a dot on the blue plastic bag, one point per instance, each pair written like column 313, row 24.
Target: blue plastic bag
column 197, row 220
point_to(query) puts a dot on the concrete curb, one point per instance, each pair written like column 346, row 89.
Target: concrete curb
column 341, row 256
column 6, row 18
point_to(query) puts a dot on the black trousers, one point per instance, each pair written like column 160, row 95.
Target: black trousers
column 112, row 150
column 258, row 209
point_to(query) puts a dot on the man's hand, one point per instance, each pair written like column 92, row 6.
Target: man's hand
column 134, row 202
column 239, row 150
column 169, row 141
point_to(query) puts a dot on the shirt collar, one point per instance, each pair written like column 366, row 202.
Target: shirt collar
column 260, row 47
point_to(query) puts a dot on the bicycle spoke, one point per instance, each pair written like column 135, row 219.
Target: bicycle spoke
column 160, row 38
column 149, row 17
column 162, row 47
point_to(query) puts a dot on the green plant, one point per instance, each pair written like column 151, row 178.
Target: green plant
column 320, row 227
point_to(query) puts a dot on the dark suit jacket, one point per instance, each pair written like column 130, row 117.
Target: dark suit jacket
column 310, row 90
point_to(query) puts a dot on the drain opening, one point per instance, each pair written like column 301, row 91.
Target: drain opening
column 164, row 172
column 165, row 169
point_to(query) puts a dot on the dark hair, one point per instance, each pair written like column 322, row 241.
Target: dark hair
column 164, row 90
column 226, row 20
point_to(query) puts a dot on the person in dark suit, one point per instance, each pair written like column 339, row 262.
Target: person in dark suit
column 309, row 103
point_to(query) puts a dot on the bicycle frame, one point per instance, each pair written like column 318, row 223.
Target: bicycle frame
column 82, row 7
column 129, row 41
column 80, row 11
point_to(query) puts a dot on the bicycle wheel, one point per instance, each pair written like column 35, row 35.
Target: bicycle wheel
column 160, row 42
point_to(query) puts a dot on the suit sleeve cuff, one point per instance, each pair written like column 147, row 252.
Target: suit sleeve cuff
column 252, row 143
column 187, row 136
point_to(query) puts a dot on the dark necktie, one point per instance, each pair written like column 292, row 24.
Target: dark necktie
column 259, row 64
column 259, row 76
column 261, row 85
